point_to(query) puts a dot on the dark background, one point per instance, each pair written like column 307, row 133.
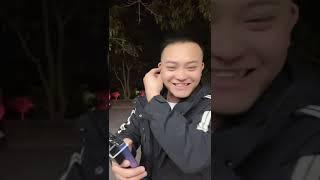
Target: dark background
column 84, row 57
column 39, row 147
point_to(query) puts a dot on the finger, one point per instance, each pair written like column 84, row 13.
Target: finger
column 118, row 177
column 132, row 172
column 158, row 77
column 125, row 163
column 128, row 172
column 129, row 143
column 114, row 163
column 139, row 177
column 122, row 173
column 155, row 71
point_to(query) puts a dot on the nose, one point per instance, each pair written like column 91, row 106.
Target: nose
column 181, row 75
column 226, row 45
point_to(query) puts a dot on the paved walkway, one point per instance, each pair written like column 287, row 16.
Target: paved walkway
column 36, row 153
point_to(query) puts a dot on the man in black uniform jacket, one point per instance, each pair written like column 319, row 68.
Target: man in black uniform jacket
column 265, row 102
column 173, row 126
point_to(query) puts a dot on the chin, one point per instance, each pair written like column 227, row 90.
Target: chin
column 181, row 95
column 231, row 108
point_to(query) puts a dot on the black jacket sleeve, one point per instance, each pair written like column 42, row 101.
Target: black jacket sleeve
column 130, row 128
column 185, row 143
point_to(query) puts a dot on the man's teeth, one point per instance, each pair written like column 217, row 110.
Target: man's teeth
column 181, row 84
column 230, row 73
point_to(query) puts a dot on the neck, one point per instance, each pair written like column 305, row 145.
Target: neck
column 172, row 98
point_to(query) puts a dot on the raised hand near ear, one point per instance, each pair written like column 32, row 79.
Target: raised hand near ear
column 153, row 83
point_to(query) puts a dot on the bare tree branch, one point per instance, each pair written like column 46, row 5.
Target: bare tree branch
column 29, row 54
column 131, row 3
column 145, row 5
column 119, row 79
column 26, row 48
column 150, row 10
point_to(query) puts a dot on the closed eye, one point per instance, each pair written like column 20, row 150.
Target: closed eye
column 192, row 68
column 260, row 20
column 260, row 24
column 171, row 68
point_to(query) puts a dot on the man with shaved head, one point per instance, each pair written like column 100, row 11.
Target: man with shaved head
column 172, row 124
column 266, row 113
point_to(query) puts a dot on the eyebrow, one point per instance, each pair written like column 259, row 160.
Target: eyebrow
column 254, row 4
column 173, row 62
column 191, row 62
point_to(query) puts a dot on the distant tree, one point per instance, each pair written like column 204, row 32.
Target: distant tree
column 170, row 14
column 49, row 26
column 119, row 42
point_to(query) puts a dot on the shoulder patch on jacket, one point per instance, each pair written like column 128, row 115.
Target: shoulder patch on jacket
column 311, row 110
column 208, row 96
column 205, row 122
column 123, row 125
column 307, row 168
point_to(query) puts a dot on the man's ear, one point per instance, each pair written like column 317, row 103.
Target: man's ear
column 294, row 10
column 159, row 64
column 202, row 66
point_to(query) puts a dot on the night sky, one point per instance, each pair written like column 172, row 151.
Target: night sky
column 84, row 65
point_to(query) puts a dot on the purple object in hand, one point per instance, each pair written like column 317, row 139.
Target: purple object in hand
column 128, row 156
column 119, row 151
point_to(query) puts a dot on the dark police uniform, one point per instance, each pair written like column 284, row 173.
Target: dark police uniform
column 279, row 138
column 175, row 143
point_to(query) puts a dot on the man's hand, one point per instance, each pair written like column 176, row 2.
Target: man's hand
column 152, row 83
column 123, row 172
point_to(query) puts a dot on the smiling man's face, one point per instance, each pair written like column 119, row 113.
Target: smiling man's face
column 249, row 43
column 181, row 69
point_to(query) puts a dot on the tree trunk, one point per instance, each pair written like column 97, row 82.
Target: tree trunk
column 125, row 79
column 128, row 69
column 125, row 93
column 50, row 59
column 51, row 105
column 60, row 83
column 44, row 80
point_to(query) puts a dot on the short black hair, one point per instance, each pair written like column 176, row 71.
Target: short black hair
column 179, row 38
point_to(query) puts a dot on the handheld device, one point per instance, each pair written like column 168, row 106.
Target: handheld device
column 119, row 151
